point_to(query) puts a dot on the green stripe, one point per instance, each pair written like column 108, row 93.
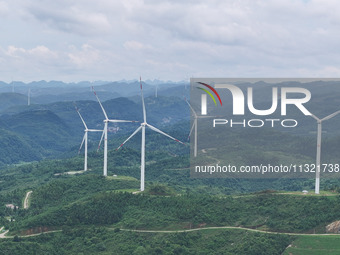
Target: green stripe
column 208, row 93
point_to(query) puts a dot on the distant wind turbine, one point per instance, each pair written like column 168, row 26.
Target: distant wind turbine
column 29, row 97
column 194, row 126
column 142, row 127
column 85, row 138
column 106, row 123
column 318, row 148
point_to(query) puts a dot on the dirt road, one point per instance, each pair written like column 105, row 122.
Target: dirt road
column 28, row 194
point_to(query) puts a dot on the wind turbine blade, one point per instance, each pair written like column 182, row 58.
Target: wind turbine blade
column 192, row 128
column 330, row 116
column 81, row 117
column 315, row 117
column 192, row 109
column 141, row 89
column 117, row 121
column 100, row 104
column 161, row 132
column 94, row 130
column 139, row 128
column 81, row 145
column 101, row 139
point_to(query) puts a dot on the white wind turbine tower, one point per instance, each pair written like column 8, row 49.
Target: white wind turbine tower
column 142, row 127
column 106, row 123
column 194, row 126
column 318, row 149
column 85, row 138
column 29, row 97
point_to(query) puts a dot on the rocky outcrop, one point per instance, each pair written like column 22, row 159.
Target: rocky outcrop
column 334, row 227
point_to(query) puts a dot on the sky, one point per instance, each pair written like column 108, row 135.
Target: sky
column 77, row 40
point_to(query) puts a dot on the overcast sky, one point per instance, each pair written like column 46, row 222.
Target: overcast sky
column 75, row 40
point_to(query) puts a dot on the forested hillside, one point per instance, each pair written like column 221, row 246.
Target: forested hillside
column 95, row 214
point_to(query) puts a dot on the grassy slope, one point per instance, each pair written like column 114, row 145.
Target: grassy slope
column 311, row 245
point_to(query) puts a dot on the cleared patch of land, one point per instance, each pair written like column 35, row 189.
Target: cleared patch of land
column 315, row 245
column 26, row 200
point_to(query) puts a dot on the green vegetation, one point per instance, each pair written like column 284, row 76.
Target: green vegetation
column 312, row 245
column 93, row 211
column 101, row 241
column 78, row 201
column 159, row 190
column 22, row 150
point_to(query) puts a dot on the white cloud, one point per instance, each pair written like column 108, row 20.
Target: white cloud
column 134, row 45
column 85, row 57
column 14, row 51
column 40, row 53
column 121, row 39
column 3, row 8
column 70, row 17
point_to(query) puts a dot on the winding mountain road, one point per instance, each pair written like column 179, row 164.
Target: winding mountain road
column 226, row 227
column 2, row 235
column 28, row 194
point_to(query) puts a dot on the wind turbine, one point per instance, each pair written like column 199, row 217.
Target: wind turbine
column 85, row 138
column 29, row 97
column 194, row 126
column 106, row 123
column 142, row 127
column 318, row 148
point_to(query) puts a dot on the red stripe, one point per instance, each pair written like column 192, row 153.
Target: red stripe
column 213, row 90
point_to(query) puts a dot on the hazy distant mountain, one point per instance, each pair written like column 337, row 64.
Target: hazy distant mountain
column 43, row 92
column 41, row 127
column 55, row 128
column 14, row 149
column 32, row 135
column 12, row 99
